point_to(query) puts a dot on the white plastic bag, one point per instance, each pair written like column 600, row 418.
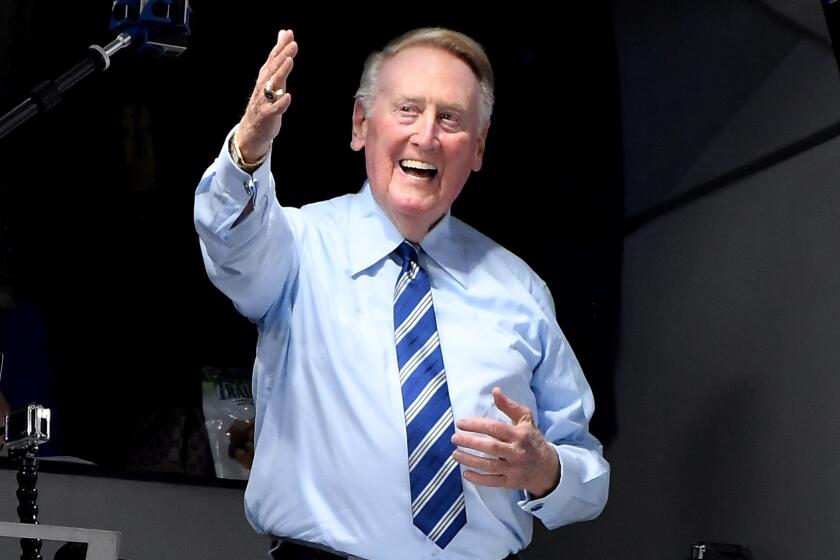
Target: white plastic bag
column 228, row 404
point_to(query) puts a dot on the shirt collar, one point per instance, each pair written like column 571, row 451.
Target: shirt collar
column 448, row 249
column 372, row 237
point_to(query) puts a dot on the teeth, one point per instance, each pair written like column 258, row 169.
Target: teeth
column 415, row 164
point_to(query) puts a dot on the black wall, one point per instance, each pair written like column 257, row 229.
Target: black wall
column 96, row 195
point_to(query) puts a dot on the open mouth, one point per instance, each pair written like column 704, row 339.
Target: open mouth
column 419, row 169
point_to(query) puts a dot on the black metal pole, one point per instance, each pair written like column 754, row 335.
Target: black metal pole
column 46, row 95
column 27, row 495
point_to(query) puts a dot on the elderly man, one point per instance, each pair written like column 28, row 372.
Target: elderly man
column 416, row 398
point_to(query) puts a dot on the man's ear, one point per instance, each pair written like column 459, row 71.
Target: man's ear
column 357, row 140
column 479, row 153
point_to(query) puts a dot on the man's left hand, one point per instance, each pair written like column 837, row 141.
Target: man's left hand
column 520, row 457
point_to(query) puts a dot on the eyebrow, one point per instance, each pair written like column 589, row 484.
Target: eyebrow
column 454, row 107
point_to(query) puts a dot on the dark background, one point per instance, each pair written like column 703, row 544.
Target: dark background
column 99, row 254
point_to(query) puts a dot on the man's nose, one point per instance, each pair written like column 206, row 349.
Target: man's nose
column 425, row 135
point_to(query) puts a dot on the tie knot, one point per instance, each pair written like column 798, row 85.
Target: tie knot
column 407, row 252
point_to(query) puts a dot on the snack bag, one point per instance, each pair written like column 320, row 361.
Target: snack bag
column 229, row 417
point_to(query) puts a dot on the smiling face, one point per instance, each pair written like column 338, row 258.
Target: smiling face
column 422, row 136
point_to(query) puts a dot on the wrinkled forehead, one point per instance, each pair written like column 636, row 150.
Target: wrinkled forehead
column 429, row 73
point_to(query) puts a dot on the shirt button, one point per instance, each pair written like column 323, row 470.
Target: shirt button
column 537, row 507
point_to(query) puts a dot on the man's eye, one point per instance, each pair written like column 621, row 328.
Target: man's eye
column 407, row 108
column 450, row 118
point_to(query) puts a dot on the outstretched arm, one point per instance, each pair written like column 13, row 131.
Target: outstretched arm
column 247, row 239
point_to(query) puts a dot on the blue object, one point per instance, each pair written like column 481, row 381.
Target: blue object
column 437, row 496
column 157, row 27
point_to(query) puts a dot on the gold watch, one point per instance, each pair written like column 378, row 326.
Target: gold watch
column 236, row 155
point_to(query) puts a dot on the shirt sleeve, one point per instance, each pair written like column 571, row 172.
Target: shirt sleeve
column 251, row 258
column 564, row 407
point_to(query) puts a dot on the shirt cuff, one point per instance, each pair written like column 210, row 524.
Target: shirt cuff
column 547, row 506
column 231, row 174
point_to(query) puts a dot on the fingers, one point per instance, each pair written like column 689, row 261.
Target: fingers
column 279, row 64
column 512, row 409
column 511, row 465
column 484, row 444
column 488, row 471
column 500, row 454
column 277, row 84
column 494, row 480
column 496, row 429
column 484, row 464
column 285, row 46
column 262, row 119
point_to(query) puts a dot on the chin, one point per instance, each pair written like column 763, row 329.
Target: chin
column 413, row 203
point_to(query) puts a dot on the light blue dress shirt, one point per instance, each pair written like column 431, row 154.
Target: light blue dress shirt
column 331, row 464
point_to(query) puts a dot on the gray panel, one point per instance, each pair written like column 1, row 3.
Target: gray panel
column 800, row 96
column 157, row 521
column 686, row 68
column 728, row 377
column 806, row 13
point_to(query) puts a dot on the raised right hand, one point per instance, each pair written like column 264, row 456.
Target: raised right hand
column 261, row 121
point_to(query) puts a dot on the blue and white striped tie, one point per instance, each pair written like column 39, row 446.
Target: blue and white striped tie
column 437, row 494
